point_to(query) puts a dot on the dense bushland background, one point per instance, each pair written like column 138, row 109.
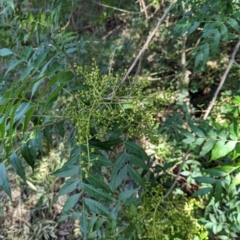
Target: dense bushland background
column 119, row 119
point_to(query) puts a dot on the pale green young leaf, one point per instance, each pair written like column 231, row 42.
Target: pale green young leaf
column 199, row 141
column 5, row 52
column 207, row 147
column 234, row 131
column 222, row 148
column 11, row 4
column 236, row 152
column 189, row 140
column 236, row 180
column 212, row 218
column 17, row 165
column 222, row 135
column 4, row 181
column 71, row 202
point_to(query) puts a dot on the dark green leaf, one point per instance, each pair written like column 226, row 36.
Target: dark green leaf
column 202, row 191
column 4, row 181
column 205, row 180
column 96, row 207
column 233, row 23
column 97, row 181
column 12, row 65
column 28, row 117
column 60, row 128
column 118, row 178
column 17, row 165
column 71, row 202
column 97, row 193
column 138, row 162
column 67, row 171
column 36, row 85
column 84, row 224
column 194, row 27
column 215, row 172
column 136, row 176
column 69, row 186
column 218, row 191
column 134, row 148
column 107, row 145
column 27, row 155
column 126, row 194
column 47, row 133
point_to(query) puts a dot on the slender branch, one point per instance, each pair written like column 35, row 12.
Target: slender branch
column 146, row 44
column 143, row 8
column 178, row 174
column 232, row 60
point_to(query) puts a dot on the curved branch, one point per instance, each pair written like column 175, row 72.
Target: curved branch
column 232, row 60
column 146, row 44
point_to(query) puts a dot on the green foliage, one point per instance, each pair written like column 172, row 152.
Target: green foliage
column 52, row 94
column 99, row 108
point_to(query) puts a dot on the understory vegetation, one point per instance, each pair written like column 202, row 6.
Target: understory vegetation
column 119, row 119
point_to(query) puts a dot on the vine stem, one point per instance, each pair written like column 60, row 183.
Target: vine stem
column 223, row 79
column 151, row 35
column 178, row 174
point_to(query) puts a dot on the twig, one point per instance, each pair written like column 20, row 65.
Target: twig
column 145, row 45
column 143, row 8
column 178, row 174
column 232, row 60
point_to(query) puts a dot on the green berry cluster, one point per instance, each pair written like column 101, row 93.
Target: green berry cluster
column 98, row 107
column 173, row 218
